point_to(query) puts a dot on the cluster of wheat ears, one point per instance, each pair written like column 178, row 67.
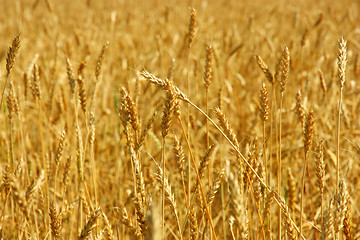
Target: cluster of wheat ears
column 152, row 120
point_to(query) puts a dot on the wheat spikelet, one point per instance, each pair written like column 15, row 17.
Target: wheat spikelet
column 285, row 69
column 253, row 160
column 145, row 132
column 19, row 167
column 208, row 74
column 193, row 225
column 140, row 185
column 319, row 20
column 309, row 131
column 55, row 222
column 341, row 61
column 320, row 168
column 257, row 190
column 70, row 75
column 100, row 60
column 91, row 136
column 170, row 75
column 171, row 105
column 291, row 191
column 108, row 233
column 81, row 67
column 85, row 204
column 300, row 109
column 128, row 110
column 322, row 81
column 264, row 103
column 205, row 161
column 30, row 190
column 239, row 208
column 327, row 227
column 125, row 219
column 192, row 27
column 35, row 84
column 162, row 84
column 164, row 182
column 347, row 219
column 25, row 79
column 220, row 98
column 140, row 213
column 179, row 156
column 82, row 92
column 5, row 184
column 340, row 206
column 123, row 109
column 17, row 193
column 13, row 50
column 265, row 69
column 305, row 37
column 60, row 149
column 33, row 186
column 225, row 125
column 290, row 230
column 90, row 225
column 67, row 210
column 268, row 202
column 12, row 102
column 215, row 187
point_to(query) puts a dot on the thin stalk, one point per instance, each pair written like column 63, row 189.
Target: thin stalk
column 163, row 189
column 47, row 188
column 322, row 207
column 311, row 195
column 91, row 120
column 338, row 141
column 188, row 118
column 264, row 151
column 223, row 206
column 272, row 113
column 3, row 91
column 207, row 126
column 207, row 140
column 279, row 160
column 11, row 143
column 92, row 157
column 79, row 220
column 302, row 192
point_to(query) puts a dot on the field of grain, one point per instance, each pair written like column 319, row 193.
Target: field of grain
column 179, row 119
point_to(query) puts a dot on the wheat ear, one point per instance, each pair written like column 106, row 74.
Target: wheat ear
column 90, row 225
column 55, row 222
column 320, row 173
column 308, row 137
column 13, row 50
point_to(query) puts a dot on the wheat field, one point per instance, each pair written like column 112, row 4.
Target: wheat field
column 179, row 119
